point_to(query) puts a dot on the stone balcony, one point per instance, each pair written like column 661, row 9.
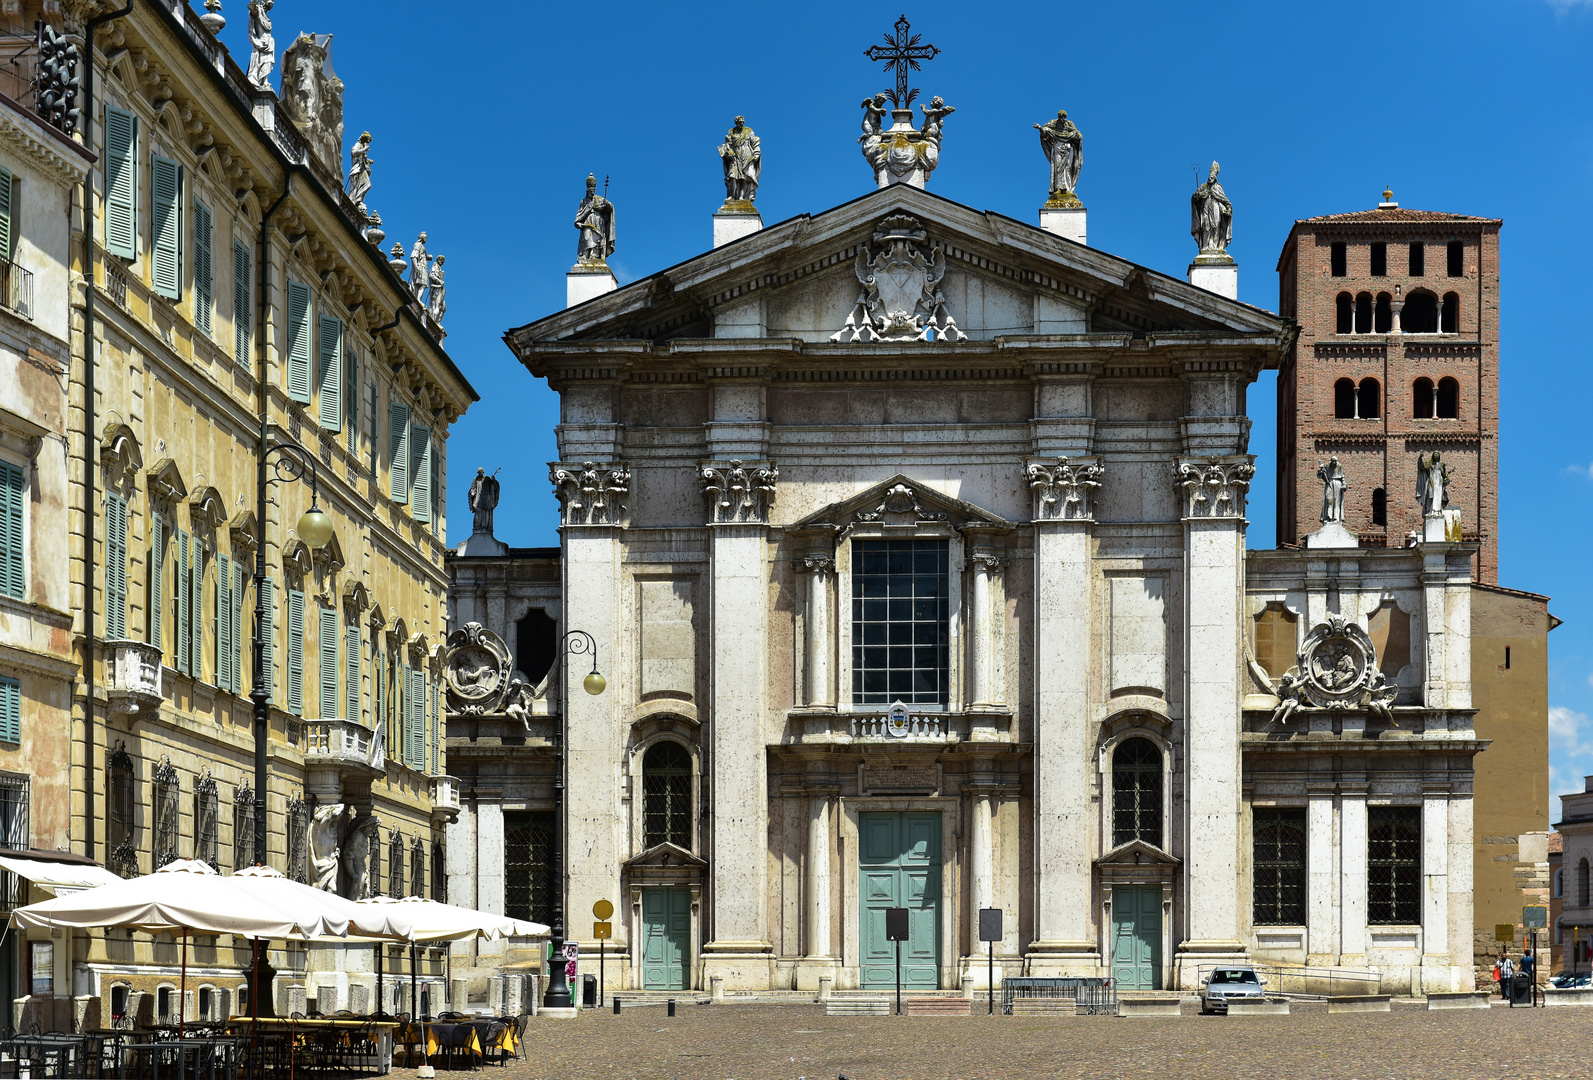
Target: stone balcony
column 133, row 677
column 344, row 746
column 444, row 799
column 899, row 726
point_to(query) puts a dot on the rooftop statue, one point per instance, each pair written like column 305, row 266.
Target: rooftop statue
column 1432, row 484
column 483, row 500
column 312, row 97
column 437, row 303
column 1063, row 145
column 262, row 45
column 359, row 173
column 419, row 267
column 1211, row 217
column 743, row 161
column 595, row 220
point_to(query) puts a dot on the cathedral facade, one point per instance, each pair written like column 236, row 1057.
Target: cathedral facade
column 911, row 539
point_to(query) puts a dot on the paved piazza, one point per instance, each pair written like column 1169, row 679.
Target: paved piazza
column 780, row 1042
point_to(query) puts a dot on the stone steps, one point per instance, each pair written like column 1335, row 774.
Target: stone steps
column 937, row 1006
column 857, row 1006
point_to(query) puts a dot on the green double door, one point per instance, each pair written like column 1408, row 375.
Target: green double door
column 1137, row 936
column 666, row 937
column 899, row 866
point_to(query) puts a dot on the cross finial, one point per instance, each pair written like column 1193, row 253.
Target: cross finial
column 901, row 54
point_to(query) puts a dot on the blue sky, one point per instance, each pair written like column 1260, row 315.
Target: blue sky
column 487, row 120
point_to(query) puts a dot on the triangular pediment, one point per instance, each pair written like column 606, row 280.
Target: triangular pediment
column 666, row 854
column 999, row 278
column 1136, row 853
column 901, row 500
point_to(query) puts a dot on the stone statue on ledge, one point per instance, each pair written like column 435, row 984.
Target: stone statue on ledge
column 263, row 46
column 901, row 154
column 1063, row 145
column 742, row 155
column 1334, row 483
column 359, row 171
column 436, row 299
column 1432, row 485
column 595, row 220
column 419, row 265
column 1211, row 217
column 483, row 500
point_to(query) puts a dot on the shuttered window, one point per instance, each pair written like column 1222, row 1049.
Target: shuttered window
column 224, row 673
column 326, row 642
column 329, row 373
column 181, row 593
column 196, row 606
column 437, row 505
column 237, row 627
column 398, row 467
column 295, row 652
column 12, row 529
column 10, row 710
column 157, row 579
column 115, row 567
column 165, row 266
column 242, row 302
column 202, row 268
column 8, row 212
column 268, row 637
column 351, row 398
column 436, row 743
column 420, row 472
column 351, row 649
column 121, row 183
column 374, row 440
column 299, row 342
column 417, row 739
column 378, row 694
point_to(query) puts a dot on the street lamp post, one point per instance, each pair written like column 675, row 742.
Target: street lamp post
column 315, row 529
column 578, row 643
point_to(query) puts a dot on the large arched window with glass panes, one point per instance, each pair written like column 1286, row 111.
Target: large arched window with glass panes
column 1137, row 793
column 666, row 795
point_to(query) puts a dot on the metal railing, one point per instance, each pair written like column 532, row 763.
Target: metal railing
column 1088, row 996
column 16, row 288
column 1310, row 982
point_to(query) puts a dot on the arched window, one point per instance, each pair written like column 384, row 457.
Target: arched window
column 1457, row 258
column 1346, row 314
column 1137, row 793
column 1363, row 313
column 1369, row 400
column 666, row 796
column 1581, row 884
column 1418, row 259
column 1449, row 322
column 1420, row 315
column 1383, row 320
column 1344, row 399
column 1422, row 399
column 395, row 866
column 1379, row 506
column 1447, row 400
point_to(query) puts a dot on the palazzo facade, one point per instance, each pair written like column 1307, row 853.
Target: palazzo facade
column 912, row 540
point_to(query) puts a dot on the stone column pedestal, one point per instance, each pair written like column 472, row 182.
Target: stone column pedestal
column 732, row 221
column 1216, row 273
column 585, row 281
column 1068, row 223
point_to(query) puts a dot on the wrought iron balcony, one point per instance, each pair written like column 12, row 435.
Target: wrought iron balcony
column 445, row 798
column 345, row 745
column 16, row 288
column 132, row 678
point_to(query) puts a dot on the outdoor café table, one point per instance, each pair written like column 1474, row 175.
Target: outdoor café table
column 439, row 1036
column 381, row 1063
column 155, row 1052
column 67, row 1051
column 501, row 1039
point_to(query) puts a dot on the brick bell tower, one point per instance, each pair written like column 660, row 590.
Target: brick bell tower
column 1398, row 356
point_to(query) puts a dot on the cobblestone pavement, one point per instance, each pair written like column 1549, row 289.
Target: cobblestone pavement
column 784, row 1042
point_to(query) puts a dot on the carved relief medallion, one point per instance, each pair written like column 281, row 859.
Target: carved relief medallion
column 476, row 670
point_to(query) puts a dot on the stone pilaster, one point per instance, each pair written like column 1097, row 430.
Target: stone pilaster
column 818, row 568
column 1322, row 879
column 1352, row 875
column 819, row 960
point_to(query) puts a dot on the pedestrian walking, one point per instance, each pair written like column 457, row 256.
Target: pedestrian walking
column 1507, row 969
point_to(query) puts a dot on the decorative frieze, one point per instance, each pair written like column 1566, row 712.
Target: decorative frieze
column 1214, row 487
column 591, row 494
column 738, row 494
column 1064, row 491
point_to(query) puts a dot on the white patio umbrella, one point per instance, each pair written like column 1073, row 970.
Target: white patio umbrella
column 357, row 920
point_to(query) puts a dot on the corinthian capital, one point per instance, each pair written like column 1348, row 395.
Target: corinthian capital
column 1064, row 490
column 738, row 494
column 1214, row 487
column 591, row 494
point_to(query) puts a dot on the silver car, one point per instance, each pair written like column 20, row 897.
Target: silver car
column 1225, row 984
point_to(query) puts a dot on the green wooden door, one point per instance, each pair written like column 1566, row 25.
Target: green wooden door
column 899, row 866
column 666, row 937
column 1137, row 937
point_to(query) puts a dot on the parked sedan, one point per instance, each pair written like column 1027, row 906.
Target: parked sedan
column 1227, row 983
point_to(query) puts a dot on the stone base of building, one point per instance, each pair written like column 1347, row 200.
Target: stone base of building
column 742, row 965
column 1063, row 959
column 812, row 973
column 1193, row 955
column 975, row 971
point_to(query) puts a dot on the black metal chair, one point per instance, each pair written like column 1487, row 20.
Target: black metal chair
column 461, row 1040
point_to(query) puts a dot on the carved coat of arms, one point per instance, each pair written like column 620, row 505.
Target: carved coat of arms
column 1337, row 669
column 900, row 297
column 476, row 670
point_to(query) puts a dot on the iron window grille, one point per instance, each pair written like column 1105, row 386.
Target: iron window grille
column 1279, row 890
column 901, row 629
column 13, row 834
column 1393, row 864
column 1137, row 793
column 395, row 865
column 666, row 796
column 167, row 811
column 243, row 828
column 417, row 867
column 121, row 834
column 527, row 868
column 373, row 848
column 207, row 822
column 298, row 841
column 439, row 876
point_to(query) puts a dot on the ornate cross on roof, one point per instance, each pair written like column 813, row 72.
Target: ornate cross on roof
column 901, row 53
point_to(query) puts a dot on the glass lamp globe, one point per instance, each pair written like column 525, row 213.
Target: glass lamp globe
column 315, row 528
column 595, row 684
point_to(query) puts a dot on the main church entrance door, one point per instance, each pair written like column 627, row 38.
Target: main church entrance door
column 899, row 866
column 1137, row 936
column 666, row 937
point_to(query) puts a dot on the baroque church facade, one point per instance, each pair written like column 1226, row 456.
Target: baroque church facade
column 911, row 539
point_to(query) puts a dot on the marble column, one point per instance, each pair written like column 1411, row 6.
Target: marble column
column 981, row 622
column 819, row 569
column 1462, row 909
column 1213, row 493
column 818, row 877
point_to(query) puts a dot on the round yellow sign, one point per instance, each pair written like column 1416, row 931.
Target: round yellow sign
column 602, row 909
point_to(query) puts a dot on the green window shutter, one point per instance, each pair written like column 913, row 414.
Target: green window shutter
column 115, row 567
column 196, row 606
column 7, row 209
column 242, row 303
column 437, row 504
column 351, row 398
column 268, row 636
column 182, row 634
column 398, row 469
column 295, row 652
column 157, row 592
column 165, row 265
column 378, row 694
column 420, row 472
column 12, row 534
column 202, row 269
column 10, row 710
column 326, row 641
column 352, row 670
column 121, row 183
column 373, row 432
column 237, row 627
column 418, row 736
column 299, row 342
column 405, row 697
column 436, row 745
column 223, row 592
column 329, row 373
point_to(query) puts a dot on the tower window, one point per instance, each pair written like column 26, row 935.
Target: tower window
column 1379, row 507
column 1339, row 259
column 1346, row 314
column 1363, row 313
column 1457, row 258
column 1447, row 399
column 1418, row 259
column 1379, row 260
column 1422, row 399
column 1507, row 658
column 1369, row 400
column 1449, row 322
column 1344, row 400
column 1383, row 322
column 1420, row 315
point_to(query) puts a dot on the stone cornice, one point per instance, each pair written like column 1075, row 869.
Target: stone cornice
column 32, row 138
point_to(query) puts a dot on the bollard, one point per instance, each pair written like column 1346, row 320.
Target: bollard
column 616, row 1005
column 671, row 1006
